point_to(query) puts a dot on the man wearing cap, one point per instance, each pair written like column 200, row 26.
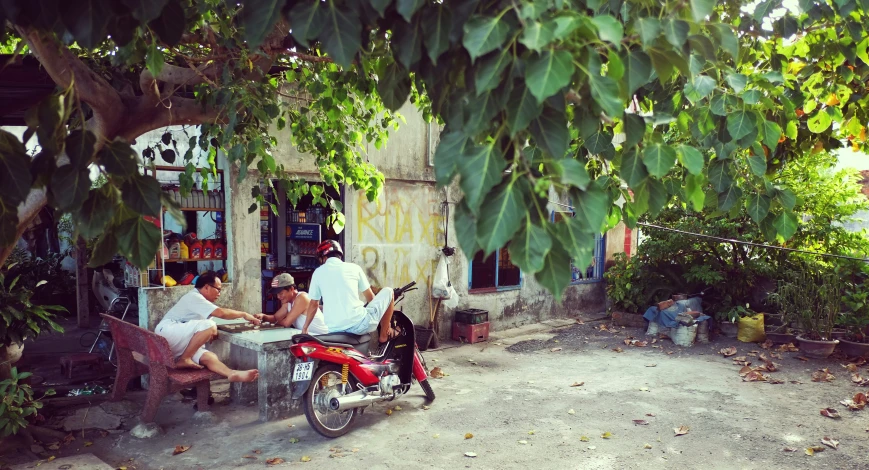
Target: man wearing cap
column 293, row 307
column 188, row 326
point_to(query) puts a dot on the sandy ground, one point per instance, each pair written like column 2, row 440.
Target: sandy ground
column 514, row 395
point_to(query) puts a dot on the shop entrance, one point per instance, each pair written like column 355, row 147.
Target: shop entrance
column 289, row 239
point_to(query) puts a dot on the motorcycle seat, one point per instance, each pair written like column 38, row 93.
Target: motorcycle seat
column 345, row 338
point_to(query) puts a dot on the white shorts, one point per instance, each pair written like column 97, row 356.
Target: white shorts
column 373, row 312
column 178, row 335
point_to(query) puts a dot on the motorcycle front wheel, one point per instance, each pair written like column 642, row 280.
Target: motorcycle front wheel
column 325, row 385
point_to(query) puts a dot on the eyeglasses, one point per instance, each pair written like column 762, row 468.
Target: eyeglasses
column 215, row 287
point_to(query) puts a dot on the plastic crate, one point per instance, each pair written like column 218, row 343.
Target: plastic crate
column 471, row 316
column 470, row 333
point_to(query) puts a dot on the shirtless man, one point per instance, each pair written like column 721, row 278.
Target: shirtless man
column 187, row 327
column 294, row 303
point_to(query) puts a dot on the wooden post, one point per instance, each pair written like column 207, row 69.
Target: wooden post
column 82, row 283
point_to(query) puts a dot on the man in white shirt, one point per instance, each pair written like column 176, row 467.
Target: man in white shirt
column 187, row 327
column 337, row 286
column 293, row 306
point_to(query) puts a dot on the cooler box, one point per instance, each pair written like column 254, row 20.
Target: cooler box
column 471, row 316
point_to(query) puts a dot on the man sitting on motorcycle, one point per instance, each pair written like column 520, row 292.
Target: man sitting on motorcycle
column 339, row 284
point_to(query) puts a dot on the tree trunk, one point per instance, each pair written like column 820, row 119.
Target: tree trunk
column 82, row 290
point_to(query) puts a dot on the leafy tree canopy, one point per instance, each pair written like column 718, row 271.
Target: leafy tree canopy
column 710, row 101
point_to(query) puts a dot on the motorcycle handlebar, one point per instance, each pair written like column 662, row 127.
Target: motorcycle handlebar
column 402, row 290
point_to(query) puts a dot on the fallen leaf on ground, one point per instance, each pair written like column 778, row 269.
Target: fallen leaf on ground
column 426, row 407
column 470, row 454
column 293, row 440
column 754, row 376
column 592, row 447
column 744, row 371
column 775, row 356
column 180, row 450
column 669, row 353
column 752, row 354
column 830, row 413
column 278, row 460
column 435, row 436
column 606, row 435
column 248, row 457
column 651, row 365
column 775, row 381
column 628, row 340
column 304, row 458
column 796, row 382
column 654, row 340
column 850, row 367
column 830, row 442
column 804, row 359
column 523, row 442
column 578, row 384
column 88, row 443
column 571, row 412
column 644, row 389
column 641, row 422
column 650, row 414
column 681, row 430
column 69, row 438
column 766, row 344
column 857, row 403
column 641, row 344
column 436, row 373
column 531, row 433
column 583, row 438
column 468, row 436
column 822, row 375
column 789, row 449
column 257, row 451
column 389, row 412
column 813, row 449
column 727, row 352
column 618, row 350
column 647, row 446
column 555, row 341
column 555, row 349
column 787, row 348
column 54, row 446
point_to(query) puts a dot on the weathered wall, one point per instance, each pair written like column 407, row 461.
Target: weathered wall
column 244, row 263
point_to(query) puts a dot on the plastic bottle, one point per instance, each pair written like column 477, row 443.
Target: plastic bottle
column 207, row 249
column 184, row 250
column 220, row 250
column 196, row 250
column 174, row 248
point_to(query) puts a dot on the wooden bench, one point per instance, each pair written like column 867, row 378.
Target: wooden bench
column 153, row 357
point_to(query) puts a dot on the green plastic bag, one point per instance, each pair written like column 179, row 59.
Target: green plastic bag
column 751, row 329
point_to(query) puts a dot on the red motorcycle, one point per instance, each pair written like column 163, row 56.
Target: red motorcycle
column 336, row 377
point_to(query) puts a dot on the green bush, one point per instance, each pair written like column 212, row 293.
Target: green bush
column 17, row 403
column 21, row 318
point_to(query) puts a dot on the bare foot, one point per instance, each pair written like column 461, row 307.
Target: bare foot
column 187, row 364
column 391, row 333
column 243, row 375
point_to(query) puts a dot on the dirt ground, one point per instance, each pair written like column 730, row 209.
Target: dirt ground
column 515, row 396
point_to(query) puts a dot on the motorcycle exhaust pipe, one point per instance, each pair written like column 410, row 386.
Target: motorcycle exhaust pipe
column 356, row 399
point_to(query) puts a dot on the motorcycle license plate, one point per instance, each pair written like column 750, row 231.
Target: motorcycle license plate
column 303, row 371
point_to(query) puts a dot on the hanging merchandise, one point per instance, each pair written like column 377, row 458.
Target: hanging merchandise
column 441, row 282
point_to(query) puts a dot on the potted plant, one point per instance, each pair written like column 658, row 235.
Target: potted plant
column 20, row 319
column 728, row 320
column 856, row 321
column 814, row 299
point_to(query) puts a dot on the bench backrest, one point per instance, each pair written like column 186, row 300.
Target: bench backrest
column 130, row 337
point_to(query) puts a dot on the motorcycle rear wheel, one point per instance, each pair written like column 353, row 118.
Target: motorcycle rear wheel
column 325, row 385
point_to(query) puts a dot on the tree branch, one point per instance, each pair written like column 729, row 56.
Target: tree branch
column 173, row 111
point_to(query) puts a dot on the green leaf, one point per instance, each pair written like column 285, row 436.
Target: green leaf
column 632, row 169
column 483, row 35
column 762, row 10
column 614, row 65
column 771, row 134
column 757, row 206
column 436, row 32
column 86, row 20
column 564, row 26
column 609, row 28
column 408, row 44
column 658, row 196
column 466, row 230
column 145, row 10
column 676, row 32
column 96, row 212
column 726, row 38
column 694, row 191
column 729, row 197
column 393, row 86
column 719, row 175
column 659, row 159
column 699, row 88
column 787, row 198
column 481, row 111
column 69, row 187
column 820, row 122
column 500, row 216
column 307, row 19
column 15, row 177
column 634, row 128
column 662, row 65
column 406, row 8
column 555, row 275
column 737, row 81
column 599, row 143
column 701, row 9
column 138, row 240
column 757, row 164
column 740, row 123
column 649, row 29
column 550, row 132
column 448, row 156
column 481, row 168
column 638, row 71
column 380, row 6
column 80, row 148
column 118, row 158
column 786, row 224
column 591, row 207
column 529, row 248
column 574, row 173
column 578, row 243
column 154, row 59
column 142, row 194
column 691, row 159
column 606, row 94
column 791, row 130
column 490, row 71
column 522, row 108
column 549, row 72
column 537, row 35
column 341, row 34
column 258, row 17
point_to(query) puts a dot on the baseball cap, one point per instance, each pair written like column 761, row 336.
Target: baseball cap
column 281, row 281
